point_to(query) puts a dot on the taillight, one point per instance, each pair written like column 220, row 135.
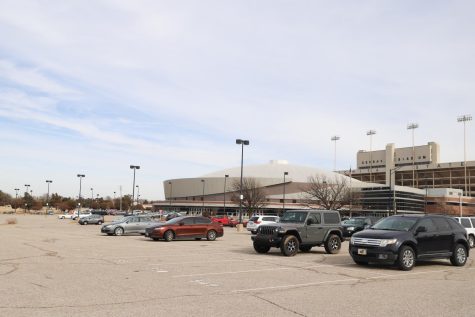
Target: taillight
column 257, row 222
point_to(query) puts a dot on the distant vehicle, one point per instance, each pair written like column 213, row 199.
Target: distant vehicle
column 130, row 224
column 92, row 219
column 469, row 224
column 50, row 212
column 256, row 221
column 99, row 212
column 356, row 224
column 222, row 219
column 81, row 215
column 404, row 239
column 66, row 216
column 172, row 215
column 188, row 227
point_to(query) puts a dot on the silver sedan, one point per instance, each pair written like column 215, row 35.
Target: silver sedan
column 131, row 224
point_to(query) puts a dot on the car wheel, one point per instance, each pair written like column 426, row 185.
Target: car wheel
column 118, row 231
column 406, row 258
column 168, row 236
column 85, row 222
column 211, row 235
column 99, row 222
column 289, row 245
column 360, row 262
column 459, row 257
column 305, row 248
column 471, row 241
column 333, row 244
column 261, row 248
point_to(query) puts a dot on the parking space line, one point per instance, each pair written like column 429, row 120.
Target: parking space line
column 233, row 272
column 342, row 281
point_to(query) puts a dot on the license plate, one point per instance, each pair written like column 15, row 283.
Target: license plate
column 361, row 251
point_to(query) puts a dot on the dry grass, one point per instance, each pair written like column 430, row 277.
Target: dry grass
column 11, row 221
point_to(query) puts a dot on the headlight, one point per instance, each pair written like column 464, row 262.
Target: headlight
column 350, row 228
column 352, row 240
column 385, row 242
column 279, row 230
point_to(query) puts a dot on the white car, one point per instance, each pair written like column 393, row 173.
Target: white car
column 256, row 221
column 66, row 216
column 469, row 224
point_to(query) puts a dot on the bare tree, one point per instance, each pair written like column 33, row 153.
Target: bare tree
column 329, row 193
column 254, row 196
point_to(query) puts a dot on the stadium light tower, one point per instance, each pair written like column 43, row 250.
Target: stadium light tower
column 79, row 197
column 134, row 167
column 464, row 119
column 47, row 196
column 335, row 138
column 413, row 126
column 370, row 133
column 242, row 143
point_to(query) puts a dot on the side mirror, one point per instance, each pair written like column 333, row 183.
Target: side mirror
column 367, row 226
column 309, row 222
column 421, row 229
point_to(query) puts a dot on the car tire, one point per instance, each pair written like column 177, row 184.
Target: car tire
column 305, row 248
column 407, row 258
column 471, row 241
column 99, row 222
column 211, row 235
column 459, row 256
column 118, row 231
column 85, row 222
column 333, row 244
column 289, row 245
column 261, row 248
column 168, row 236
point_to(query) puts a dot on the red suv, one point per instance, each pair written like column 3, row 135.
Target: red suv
column 185, row 228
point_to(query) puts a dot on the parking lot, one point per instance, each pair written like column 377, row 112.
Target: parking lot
column 51, row 267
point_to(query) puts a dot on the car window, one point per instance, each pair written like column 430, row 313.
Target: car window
column 465, row 222
column 294, row 217
column 473, row 221
column 202, row 220
column 428, row 224
column 315, row 218
column 441, row 224
column 188, row 221
column 253, row 219
column 331, row 218
column 268, row 218
column 145, row 219
column 454, row 224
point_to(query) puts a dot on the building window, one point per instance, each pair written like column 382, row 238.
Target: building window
column 294, row 201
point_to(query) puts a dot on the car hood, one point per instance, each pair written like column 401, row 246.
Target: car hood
column 380, row 234
column 284, row 224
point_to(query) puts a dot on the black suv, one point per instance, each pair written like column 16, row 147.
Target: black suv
column 356, row 224
column 404, row 239
column 301, row 230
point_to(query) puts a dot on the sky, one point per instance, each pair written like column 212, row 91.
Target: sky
column 92, row 87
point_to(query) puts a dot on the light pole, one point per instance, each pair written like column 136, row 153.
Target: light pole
column 171, row 193
column 335, row 138
column 224, row 193
column 242, row 143
column 113, row 202
column 283, row 200
column 370, row 133
column 203, row 197
column 16, row 198
column 138, row 193
column 92, row 196
column 134, row 167
column 47, row 196
column 413, row 126
column 27, row 187
column 464, row 119
column 79, row 197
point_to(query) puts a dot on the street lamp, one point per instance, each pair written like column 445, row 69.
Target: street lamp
column 464, row 119
column 283, row 200
column 134, row 167
column 16, row 198
column 242, row 143
column 47, row 196
column 27, row 187
column 335, row 138
column 203, row 197
column 92, row 196
column 171, row 193
column 224, row 193
column 413, row 126
column 138, row 193
column 79, row 197
column 113, row 202
column 370, row 133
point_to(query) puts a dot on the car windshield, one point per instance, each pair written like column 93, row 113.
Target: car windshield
column 395, row 223
column 174, row 221
column 354, row 221
column 294, row 216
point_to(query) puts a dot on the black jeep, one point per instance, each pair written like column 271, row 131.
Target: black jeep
column 301, row 230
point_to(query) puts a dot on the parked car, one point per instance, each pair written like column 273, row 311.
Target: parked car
column 222, row 219
column 301, row 230
column 130, row 224
column 404, row 239
column 99, row 212
column 256, row 221
column 469, row 224
column 92, row 219
column 65, row 216
column 81, row 215
column 356, row 224
column 188, row 227
column 172, row 215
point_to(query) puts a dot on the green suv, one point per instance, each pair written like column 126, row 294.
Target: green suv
column 301, row 230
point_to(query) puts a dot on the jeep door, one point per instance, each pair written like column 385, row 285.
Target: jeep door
column 315, row 230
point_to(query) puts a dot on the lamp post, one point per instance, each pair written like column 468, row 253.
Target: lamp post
column 283, row 200
column 113, row 202
column 171, row 193
column 138, row 193
column 134, row 167
column 25, row 207
column 92, row 196
column 413, row 126
column 242, row 143
column 335, row 138
column 224, row 193
column 16, row 198
column 79, row 197
column 47, row 196
column 370, row 133
column 203, row 197
column 27, row 187
column 464, row 119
